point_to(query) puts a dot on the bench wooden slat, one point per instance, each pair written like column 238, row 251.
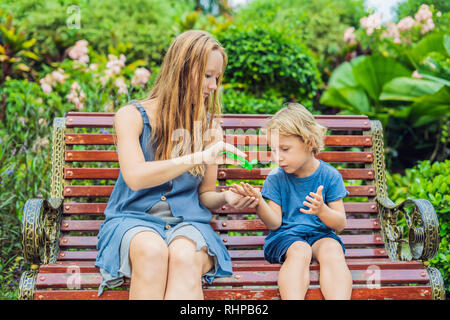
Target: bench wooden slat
column 99, row 208
column 261, row 156
column 229, row 173
column 314, row 293
column 231, row 122
column 90, row 242
column 235, row 139
column 219, row 225
column 224, row 116
column 249, row 278
column 243, row 265
column 105, row 191
column 351, row 253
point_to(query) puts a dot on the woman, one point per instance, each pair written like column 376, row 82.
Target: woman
column 157, row 229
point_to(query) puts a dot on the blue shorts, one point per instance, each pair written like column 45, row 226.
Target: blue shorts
column 275, row 250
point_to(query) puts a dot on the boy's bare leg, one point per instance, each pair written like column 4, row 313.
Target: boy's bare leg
column 335, row 277
column 293, row 278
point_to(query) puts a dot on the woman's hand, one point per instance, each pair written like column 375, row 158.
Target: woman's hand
column 211, row 154
column 239, row 201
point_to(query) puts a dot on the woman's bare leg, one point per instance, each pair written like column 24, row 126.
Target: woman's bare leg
column 149, row 260
column 186, row 267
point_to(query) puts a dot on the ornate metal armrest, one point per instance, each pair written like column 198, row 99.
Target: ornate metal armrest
column 422, row 222
column 41, row 222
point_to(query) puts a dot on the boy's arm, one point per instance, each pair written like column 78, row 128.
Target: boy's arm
column 270, row 213
column 333, row 215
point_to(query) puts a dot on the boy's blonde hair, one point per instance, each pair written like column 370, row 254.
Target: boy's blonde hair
column 295, row 120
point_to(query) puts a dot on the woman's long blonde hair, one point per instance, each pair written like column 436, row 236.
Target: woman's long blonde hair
column 178, row 91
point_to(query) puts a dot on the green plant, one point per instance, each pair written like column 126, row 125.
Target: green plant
column 16, row 53
column 104, row 85
column 147, row 24
column 307, row 23
column 428, row 181
column 262, row 59
column 403, row 82
column 235, row 100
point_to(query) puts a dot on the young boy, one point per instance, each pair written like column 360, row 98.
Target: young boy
column 304, row 207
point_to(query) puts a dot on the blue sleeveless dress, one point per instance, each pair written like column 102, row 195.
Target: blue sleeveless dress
column 127, row 209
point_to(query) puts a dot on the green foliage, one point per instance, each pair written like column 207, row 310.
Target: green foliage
column 409, row 7
column 428, row 181
column 403, row 82
column 146, row 24
column 16, row 50
column 25, row 136
column 267, row 59
column 308, row 23
column 237, row 101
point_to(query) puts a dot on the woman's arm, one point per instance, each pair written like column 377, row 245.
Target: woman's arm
column 138, row 173
column 207, row 189
column 141, row 174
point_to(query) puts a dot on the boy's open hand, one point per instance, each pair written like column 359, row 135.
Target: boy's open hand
column 239, row 201
column 245, row 189
column 315, row 202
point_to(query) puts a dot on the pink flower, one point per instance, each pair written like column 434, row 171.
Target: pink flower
column 406, row 23
column 428, row 26
column 371, row 23
column 114, row 64
column 58, row 76
column 76, row 95
column 392, row 32
column 349, row 35
column 75, row 86
column 120, row 83
column 46, row 87
column 140, row 77
column 79, row 51
column 416, row 75
column 423, row 13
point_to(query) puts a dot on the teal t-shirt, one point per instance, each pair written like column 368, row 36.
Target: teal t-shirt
column 289, row 191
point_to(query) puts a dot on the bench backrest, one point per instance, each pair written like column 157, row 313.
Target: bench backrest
column 85, row 167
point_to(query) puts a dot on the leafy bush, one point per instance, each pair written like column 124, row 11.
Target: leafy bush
column 307, row 22
column 404, row 83
column 147, row 24
column 25, row 135
column 16, row 52
column 409, row 7
column 237, row 101
column 428, row 181
column 263, row 60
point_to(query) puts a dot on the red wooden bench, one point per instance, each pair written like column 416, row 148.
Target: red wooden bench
column 60, row 233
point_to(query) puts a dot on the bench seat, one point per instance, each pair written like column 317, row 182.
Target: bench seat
column 60, row 233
